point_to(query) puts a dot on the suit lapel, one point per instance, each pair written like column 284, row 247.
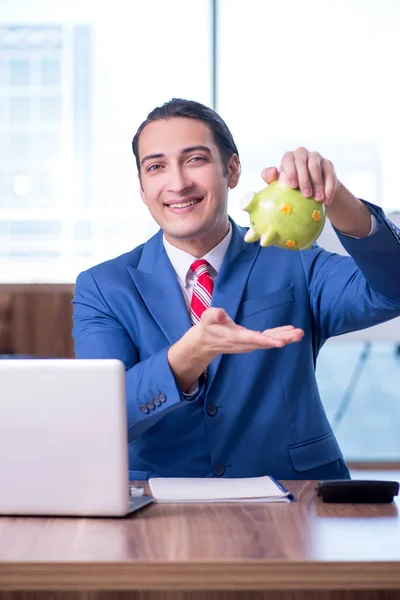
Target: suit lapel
column 156, row 282
column 231, row 282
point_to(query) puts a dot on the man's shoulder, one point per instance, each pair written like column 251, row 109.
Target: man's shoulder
column 130, row 258
column 115, row 267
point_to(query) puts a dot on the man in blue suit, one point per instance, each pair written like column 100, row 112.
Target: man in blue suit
column 234, row 395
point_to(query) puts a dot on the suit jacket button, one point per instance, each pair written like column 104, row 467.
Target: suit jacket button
column 156, row 401
column 144, row 409
column 162, row 397
column 218, row 470
column 150, row 405
column 211, row 410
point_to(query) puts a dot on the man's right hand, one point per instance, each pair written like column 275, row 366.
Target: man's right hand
column 216, row 334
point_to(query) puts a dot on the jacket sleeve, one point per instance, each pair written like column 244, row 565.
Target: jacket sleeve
column 98, row 334
column 352, row 293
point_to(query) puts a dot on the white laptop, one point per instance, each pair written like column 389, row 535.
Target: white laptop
column 63, row 438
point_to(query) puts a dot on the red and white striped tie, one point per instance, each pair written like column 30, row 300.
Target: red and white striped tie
column 202, row 290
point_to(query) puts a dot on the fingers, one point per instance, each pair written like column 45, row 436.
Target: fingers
column 330, row 180
column 224, row 336
column 274, row 338
column 295, row 167
column 288, row 337
column 279, row 329
column 215, row 315
column 289, row 167
column 239, row 339
column 250, row 340
column 314, row 175
column 283, row 178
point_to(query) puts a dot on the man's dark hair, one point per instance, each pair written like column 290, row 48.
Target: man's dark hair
column 189, row 109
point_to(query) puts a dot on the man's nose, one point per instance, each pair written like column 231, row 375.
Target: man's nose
column 178, row 180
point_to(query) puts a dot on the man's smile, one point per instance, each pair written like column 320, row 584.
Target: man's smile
column 183, row 205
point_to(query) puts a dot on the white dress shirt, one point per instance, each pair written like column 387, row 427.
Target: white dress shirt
column 182, row 260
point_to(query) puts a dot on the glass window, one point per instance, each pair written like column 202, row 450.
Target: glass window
column 22, row 184
column 20, row 71
column 4, row 228
column 351, row 376
column 50, row 71
column 48, row 185
column 82, row 230
column 46, row 147
column 31, row 255
column 20, row 149
column 20, row 110
column 299, row 86
column 38, row 229
column 3, row 73
column 67, row 146
column 4, row 149
column 50, row 110
column 5, row 189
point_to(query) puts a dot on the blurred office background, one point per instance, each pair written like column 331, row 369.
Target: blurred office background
column 78, row 78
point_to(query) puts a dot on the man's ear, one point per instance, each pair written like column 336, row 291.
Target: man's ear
column 233, row 171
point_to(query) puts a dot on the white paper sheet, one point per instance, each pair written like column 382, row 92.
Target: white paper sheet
column 189, row 489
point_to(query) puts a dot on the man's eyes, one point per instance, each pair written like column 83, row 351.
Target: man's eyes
column 153, row 168
column 192, row 159
column 197, row 159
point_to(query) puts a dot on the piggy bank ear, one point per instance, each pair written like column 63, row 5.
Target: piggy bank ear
column 248, row 202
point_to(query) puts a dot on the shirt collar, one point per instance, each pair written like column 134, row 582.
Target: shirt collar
column 182, row 260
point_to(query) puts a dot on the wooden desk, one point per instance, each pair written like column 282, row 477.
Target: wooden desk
column 303, row 550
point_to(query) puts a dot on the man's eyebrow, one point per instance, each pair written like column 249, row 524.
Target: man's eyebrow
column 151, row 156
column 196, row 148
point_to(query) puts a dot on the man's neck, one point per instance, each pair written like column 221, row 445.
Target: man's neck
column 199, row 247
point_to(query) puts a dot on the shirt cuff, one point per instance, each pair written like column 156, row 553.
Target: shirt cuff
column 194, row 388
column 374, row 228
column 374, row 224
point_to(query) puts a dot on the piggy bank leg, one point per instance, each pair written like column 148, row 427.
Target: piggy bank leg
column 251, row 236
column 268, row 237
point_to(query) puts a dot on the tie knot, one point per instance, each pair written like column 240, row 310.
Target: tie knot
column 199, row 267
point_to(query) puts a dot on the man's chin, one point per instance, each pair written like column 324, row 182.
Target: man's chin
column 188, row 232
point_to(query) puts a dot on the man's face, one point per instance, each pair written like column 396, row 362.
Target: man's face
column 183, row 180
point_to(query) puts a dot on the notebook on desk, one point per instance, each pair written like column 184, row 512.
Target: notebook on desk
column 198, row 489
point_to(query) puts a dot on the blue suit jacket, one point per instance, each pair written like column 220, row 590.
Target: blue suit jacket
column 266, row 416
